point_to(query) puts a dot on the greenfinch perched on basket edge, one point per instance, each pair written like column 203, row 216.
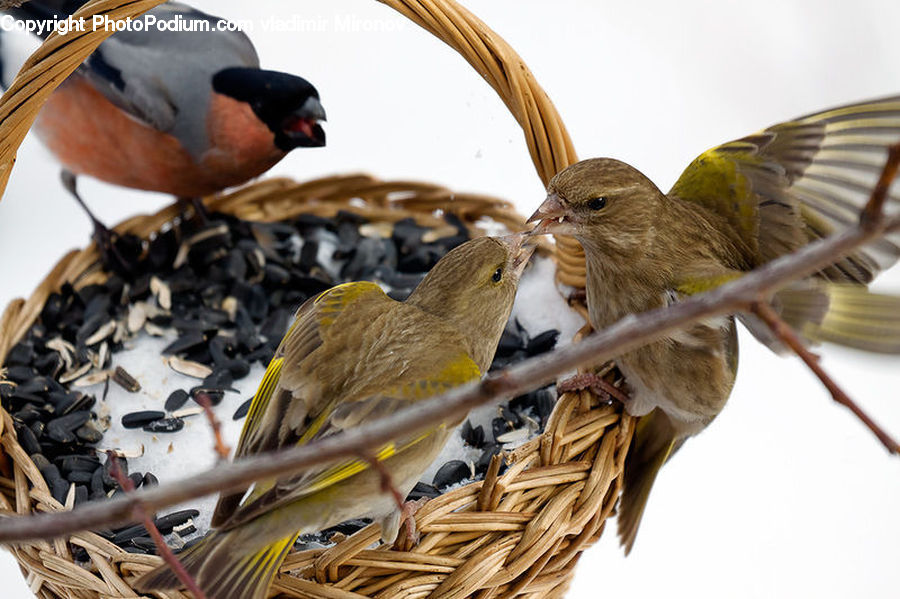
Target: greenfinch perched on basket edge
column 736, row 207
column 353, row 354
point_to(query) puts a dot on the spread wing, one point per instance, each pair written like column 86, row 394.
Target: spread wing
column 352, row 354
column 802, row 180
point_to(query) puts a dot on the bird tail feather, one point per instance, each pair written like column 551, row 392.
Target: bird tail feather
column 220, row 570
column 654, row 441
column 848, row 315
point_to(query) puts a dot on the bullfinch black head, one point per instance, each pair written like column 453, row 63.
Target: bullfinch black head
column 287, row 104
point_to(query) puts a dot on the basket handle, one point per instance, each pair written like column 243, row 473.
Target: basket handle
column 548, row 141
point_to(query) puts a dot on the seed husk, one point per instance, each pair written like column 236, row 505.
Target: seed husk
column 124, row 379
column 188, row 367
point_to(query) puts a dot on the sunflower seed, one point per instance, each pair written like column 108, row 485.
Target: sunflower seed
column 162, row 292
column 139, row 419
column 176, row 400
column 164, row 425
column 92, row 378
column 75, row 373
column 137, row 317
column 188, row 367
column 124, row 379
column 242, row 410
column 451, row 473
column 101, row 333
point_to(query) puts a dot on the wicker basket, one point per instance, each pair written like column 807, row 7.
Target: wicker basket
column 515, row 535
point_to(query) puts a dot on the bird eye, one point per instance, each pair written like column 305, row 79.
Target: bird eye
column 597, row 203
column 498, row 274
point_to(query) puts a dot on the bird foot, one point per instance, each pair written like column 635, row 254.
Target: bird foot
column 407, row 514
column 200, row 211
column 595, row 383
column 103, row 236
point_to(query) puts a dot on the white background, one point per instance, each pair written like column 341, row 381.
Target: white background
column 786, row 494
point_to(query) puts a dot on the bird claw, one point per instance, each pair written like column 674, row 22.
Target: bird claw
column 597, row 384
column 407, row 515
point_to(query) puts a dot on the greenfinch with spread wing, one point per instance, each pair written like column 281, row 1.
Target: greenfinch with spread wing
column 736, row 207
column 351, row 355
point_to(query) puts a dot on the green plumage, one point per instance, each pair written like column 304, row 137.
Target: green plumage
column 353, row 354
column 735, row 207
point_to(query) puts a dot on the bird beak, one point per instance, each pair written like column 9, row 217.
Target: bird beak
column 551, row 216
column 302, row 126
column 521, row 247
column 312, row 109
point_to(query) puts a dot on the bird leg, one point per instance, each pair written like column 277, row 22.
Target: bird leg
column 102, row 235
column 408, row 515
column 407, row 509
column 593, row 381
column 200, row 210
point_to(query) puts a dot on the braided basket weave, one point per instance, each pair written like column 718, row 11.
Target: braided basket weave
column 515, row 535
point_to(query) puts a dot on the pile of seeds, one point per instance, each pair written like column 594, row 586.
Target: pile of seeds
column 219, row 295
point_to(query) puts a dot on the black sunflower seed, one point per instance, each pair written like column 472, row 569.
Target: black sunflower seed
column 80, row 477
column 27, row 439
column 184, row 343
column 81, row 494
column 89, row 433
column 499, row 426
column 238, row 368
column 144, row 543
column 20, row 374
column 62, row 429
column 98, row 485
column 176, row 400
column 165, row 425
column 166, row 523
column 484, row 461
column 82, row 463
column 542, row 343
column 127, row 534
column 214, row 396
column 139, row 419
column 136, row 479
column 473, row 436
column 21, row 354
column 150, row 480
column 242, row 410
column 422, row 490
column 451, row 473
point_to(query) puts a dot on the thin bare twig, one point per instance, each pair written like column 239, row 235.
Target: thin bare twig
column 387, row 481
column 628, row 333
column 388, row 486
column 170, row 558
column 873, row 212
column 786, row 334
column 222, row 448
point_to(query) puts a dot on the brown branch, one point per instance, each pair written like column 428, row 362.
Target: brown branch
column 628, row 333
column 388, row 486
column 786, row 334
column 219, row 444
column 177, row 567
column 387, row 481
column 873, row 213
